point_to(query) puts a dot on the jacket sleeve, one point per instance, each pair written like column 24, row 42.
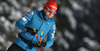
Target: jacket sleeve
column 50, row 36
column 20, row 24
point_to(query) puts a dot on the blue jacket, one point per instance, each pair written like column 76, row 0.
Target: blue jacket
column 38, row 20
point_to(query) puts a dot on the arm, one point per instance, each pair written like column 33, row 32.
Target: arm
column 50, row 36
column 20, row 24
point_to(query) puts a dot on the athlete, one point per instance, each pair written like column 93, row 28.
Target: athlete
column 34, row 26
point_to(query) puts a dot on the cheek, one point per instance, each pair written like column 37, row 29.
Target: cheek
column 50, row 16
column 47, row 13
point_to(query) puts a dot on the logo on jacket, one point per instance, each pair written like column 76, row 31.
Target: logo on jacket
column 52, row 36
column 31, row 12
column 54, row 28
column 23, row 18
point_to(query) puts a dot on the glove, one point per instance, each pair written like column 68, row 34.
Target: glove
column 43, row 44
column 32, row 45
column 30, row 30
column 27, row 29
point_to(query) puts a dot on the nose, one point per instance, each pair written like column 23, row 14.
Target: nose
column 50, row 13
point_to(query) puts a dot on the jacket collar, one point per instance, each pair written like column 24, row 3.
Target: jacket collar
column 44, row 16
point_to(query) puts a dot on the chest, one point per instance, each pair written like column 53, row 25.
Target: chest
column 39, row 24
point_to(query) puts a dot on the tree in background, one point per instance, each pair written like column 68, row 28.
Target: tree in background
column 77, row 23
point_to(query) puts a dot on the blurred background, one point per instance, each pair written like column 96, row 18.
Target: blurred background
column 77, row 21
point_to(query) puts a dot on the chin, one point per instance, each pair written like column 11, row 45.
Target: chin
column 49, row 17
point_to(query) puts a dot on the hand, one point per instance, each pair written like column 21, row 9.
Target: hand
column 43, row 44
column 27, row 29
column 30, row 30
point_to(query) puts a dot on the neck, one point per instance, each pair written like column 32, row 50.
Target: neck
column 44, row 15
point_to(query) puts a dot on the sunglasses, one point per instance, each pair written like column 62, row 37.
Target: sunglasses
column 52, row 12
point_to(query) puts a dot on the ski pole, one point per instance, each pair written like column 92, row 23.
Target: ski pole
column 40, row 39
column 41, row 36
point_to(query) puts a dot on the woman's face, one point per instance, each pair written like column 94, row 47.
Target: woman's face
column 48, row 13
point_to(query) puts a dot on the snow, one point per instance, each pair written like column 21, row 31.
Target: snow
column 1, row 47
column 6, row 24
column 47, row 49
column 15, row 14
column 82, row 49
column 14, row 3
column 87, row 12
column 88, row 29
column 2, row 19
column 39, row 5
column 75, row 5
column 70, row 16
column 5, row 7
column 1, row 9
column 24, row 2
column 62, row 41
column 2, row 39
column 33, row 4
column 90, row 42
column 8, row 44
column 87, row 1
column 69, row 35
